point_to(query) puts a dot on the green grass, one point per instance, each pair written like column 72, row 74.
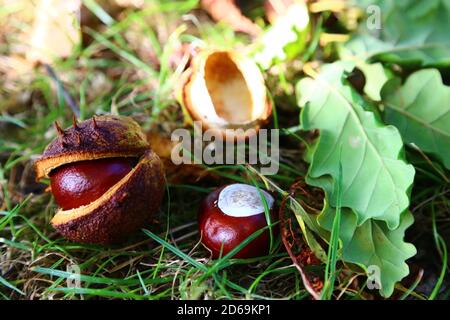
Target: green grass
column 164, row 260
column 334, row 245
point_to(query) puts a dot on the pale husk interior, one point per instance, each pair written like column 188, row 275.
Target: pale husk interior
column 227, row 89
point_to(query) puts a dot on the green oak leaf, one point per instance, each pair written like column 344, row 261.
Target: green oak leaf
column 373, row 246
column 420, row 109
column 411, row 33
column 375, row 179
column 376, row 76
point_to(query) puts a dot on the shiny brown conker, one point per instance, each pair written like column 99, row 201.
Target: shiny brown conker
column 231, row 214
column 80, row 183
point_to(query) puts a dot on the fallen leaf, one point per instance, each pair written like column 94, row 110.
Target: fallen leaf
column 299, row 252
column 15, row 66
column 16, row 73
column 183, row 173
column 228, row 12
column 276, row 8
column 55, row 32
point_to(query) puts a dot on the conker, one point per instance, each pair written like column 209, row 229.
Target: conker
column 76, row 184
column 231, row 214
column 106, row 179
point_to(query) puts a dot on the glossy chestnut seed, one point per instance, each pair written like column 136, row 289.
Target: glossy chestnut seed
column 229, row 215
column 80, row 183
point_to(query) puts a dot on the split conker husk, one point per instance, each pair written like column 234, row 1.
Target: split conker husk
column 232, row 213
column 225, row 91
column 106, row 179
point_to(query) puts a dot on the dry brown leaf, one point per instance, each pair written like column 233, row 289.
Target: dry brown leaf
column 15, row 67
column 56, row 30
column 299, row 252
column 15, row 75
column 16, row 20
column 276, row 8
column 184, row 173
column 228, row 12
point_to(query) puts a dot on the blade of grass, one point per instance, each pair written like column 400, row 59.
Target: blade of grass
column 4, row 282
column 330, row 268
column 99, row 12
column 442, row 249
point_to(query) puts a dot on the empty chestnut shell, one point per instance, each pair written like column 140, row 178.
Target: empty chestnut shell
column 231, row 214
column 225, row 90
column 104, row 176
